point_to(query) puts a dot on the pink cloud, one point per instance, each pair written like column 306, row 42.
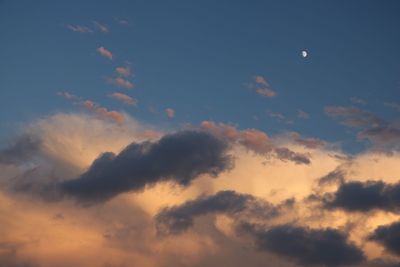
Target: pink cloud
column 254, row 140
column 105, row 53
column 78, row 28
column 121, row 82
column 170, row 112
column 101, row 27
column 267, row 92
column 261, row 80
column 302, row 114
column 124, row 71
column 91, row 106
column 124, row 98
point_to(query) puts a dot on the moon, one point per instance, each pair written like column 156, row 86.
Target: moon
column 304, row 53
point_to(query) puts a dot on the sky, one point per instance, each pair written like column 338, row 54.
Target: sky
column 193, row 133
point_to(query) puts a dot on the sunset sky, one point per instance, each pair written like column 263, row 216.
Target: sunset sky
column 199, row 133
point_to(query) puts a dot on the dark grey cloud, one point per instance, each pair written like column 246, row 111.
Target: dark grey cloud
column 176, row 219
column 20, row 150
column 284, row 153
column 388, row 236
column 179, row 157
column 365, row 196
column 335, row 176
column 305, row 246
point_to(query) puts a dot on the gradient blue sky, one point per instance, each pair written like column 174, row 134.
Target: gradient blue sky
column 198, row 57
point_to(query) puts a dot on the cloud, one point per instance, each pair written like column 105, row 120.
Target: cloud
column 267, row 92
column 358, row 101
column 388, row 236
column 302, row 114
column 101, row 27
column 306, row 246
column 170, row 112
column 365, row 196
column 261, row 80
column 20, row 150
column 78, row 28
column 91, row 106
column 104, row 52
column 312, row 143
column 254, row 140
column 178, row 157
column 124, row 71
column 121, row 82
column 124, row 98
column 393, row 105
column 354, row 117
column 383, row 135
column 176, row 219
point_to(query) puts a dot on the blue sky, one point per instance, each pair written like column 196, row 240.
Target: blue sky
column 199, row 57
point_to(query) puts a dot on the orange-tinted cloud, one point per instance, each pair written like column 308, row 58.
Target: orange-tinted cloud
column 105, row 53
column 124, row 98
column 266, row 92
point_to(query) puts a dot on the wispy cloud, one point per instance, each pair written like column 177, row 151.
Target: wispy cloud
column 124, row 98
column 121, row 82
column 357, row 100
column 105, row 53
column 170, row 112
column 124, row 71
column 91, row 106
column 383, row 135
column 261, row 87
column 302, row 114
column 254, row 140
column 101, row 27
column 266, row 92
column 393, row 105
column 78, row 28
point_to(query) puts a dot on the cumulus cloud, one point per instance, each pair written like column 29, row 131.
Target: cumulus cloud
column 170, row 112
column 104, row 52
column 267, row 92
column 67, row 151
column 254, row 140
column 306, row 246
column 178, row 157
column 124, row 98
